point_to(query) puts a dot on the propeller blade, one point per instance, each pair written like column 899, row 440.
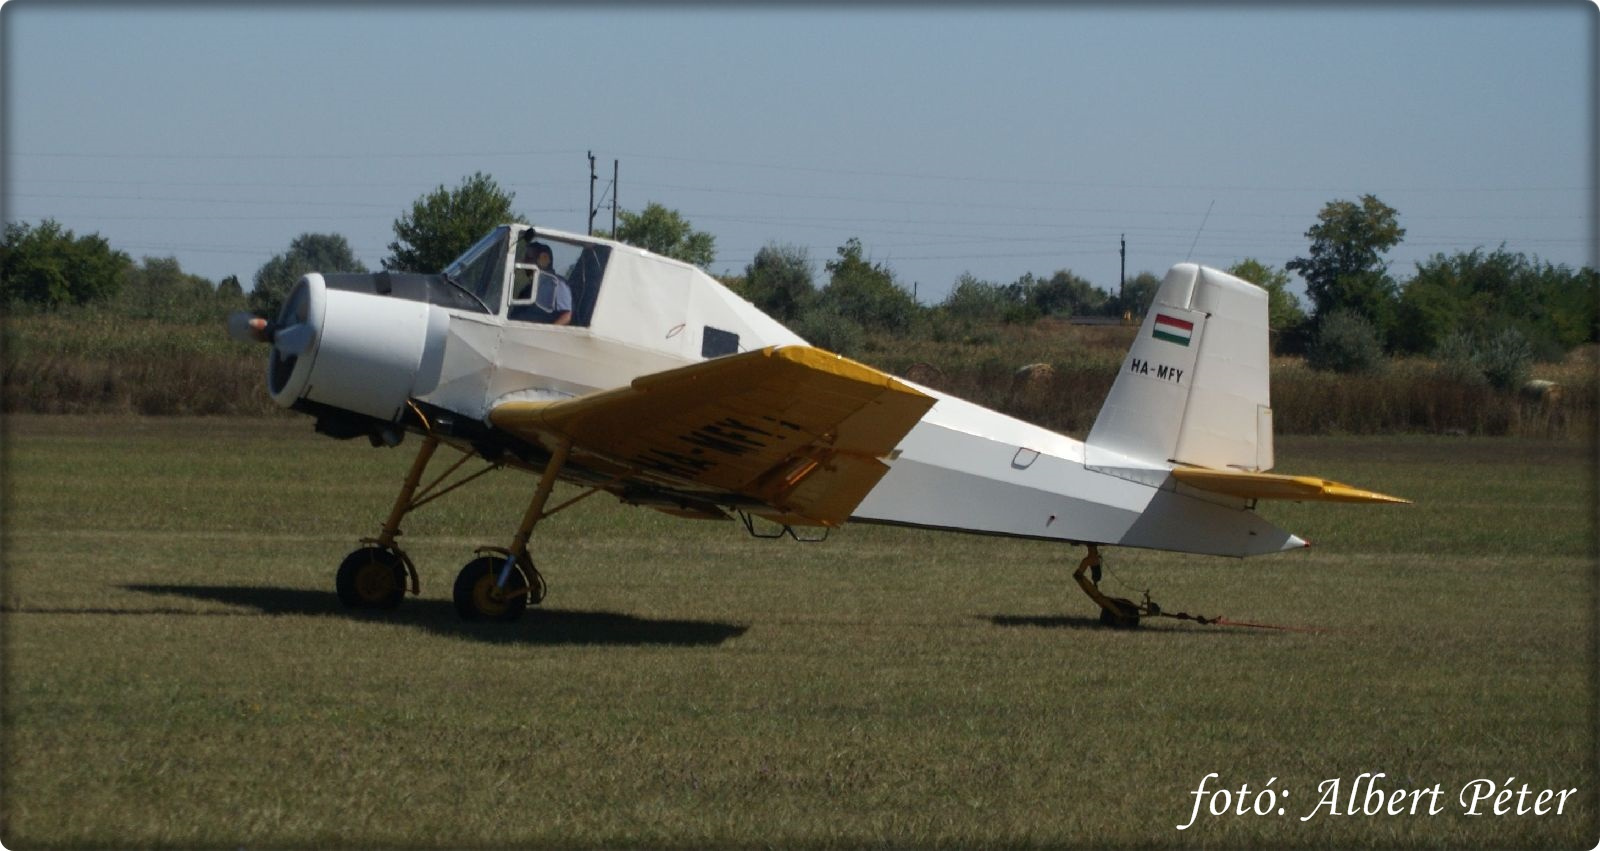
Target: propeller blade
column 295, row 339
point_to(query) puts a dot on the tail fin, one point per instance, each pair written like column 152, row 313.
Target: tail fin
column 1194, row 386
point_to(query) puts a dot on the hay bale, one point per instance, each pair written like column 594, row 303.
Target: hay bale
column 1542, row 392
column 1032, row 385
column 925, row 374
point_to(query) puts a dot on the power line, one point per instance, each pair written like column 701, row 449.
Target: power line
column 1032, row 180
column 290, row 157
column 1028, row 180
column 297, row 202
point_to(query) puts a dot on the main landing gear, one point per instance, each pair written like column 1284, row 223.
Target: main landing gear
column 498, row 585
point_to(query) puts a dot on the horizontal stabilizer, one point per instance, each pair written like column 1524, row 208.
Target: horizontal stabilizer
column 1274, row 486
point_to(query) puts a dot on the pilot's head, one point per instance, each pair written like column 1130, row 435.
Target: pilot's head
column 539, row 253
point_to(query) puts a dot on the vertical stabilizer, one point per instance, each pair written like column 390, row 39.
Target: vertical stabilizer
column 1194, row 386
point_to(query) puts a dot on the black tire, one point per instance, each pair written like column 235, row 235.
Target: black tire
column 371, row 578
column 477, row 598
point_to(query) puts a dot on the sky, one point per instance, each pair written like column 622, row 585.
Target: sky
column 949, row 139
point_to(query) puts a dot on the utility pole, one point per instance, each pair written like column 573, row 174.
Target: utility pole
column 591, row 193
column 1122, row 276
column 1122, row 281
column 613, row 199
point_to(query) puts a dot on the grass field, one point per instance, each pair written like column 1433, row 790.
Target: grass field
column 178, row 671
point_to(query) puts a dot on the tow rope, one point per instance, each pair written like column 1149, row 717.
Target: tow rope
column 1150, row 609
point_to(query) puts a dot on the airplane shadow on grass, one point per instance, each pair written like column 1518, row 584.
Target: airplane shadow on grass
column 1094, row 624
column 1045, row 621
column 538, row 626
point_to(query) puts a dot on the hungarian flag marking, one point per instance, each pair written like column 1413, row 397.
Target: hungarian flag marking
column 1173, row 329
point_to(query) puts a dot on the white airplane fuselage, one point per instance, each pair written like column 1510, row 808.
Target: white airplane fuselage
column 962, row 467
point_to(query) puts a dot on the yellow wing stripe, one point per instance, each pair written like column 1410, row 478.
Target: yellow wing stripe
column 1275, row 486
column 797, row 428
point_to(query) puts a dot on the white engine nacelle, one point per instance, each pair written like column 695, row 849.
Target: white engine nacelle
column 354, row 351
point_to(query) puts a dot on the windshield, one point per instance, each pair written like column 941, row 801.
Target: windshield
column 481, row 269
column 579, row 267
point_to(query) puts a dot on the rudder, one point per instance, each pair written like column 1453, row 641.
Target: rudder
column 1194, row 387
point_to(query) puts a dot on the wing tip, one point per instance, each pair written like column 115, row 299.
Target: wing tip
column 1358, row 495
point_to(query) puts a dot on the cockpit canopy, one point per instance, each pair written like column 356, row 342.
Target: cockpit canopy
column 651, row 303
column 534, row 293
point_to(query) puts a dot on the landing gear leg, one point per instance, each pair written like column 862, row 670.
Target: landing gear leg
column 499, row 587
column 374, row 575
column 1115, row 612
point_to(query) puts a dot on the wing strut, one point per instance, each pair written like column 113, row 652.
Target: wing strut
column 783, row 529
column 374, row 575
column 502, row 581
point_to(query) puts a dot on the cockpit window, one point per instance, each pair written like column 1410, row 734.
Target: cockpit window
column 577, row 269
column 481, row 269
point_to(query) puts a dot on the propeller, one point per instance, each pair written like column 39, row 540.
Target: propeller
column 294, row 340
column 293, row 333
column 246, row 327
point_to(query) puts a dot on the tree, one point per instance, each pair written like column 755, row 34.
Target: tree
column 974, row 300
column 1345, row 269
column 666, row 232
column 230, row 296
column 865, row 292
column 1575, row 304
column 308, row 252
column 779, row 282
column 158, row 288
column 1138, row 293
column 229, row 288
column 1553, row 308
column 446, row 222
column 1064, row 294
column 1434, row 304
column 49, row 267
column 1284, row 315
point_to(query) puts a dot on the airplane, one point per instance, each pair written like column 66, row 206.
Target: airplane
column 643, row 377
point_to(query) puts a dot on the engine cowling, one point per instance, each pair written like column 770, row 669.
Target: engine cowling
column 353, row 351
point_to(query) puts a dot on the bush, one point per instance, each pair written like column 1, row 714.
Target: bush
column 1506, row 360
column 1457, row 356
column 827, row 329
column 1346, row 343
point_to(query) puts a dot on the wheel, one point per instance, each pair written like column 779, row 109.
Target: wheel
column 371, row 578
column 477, row 598
column 1127, row 616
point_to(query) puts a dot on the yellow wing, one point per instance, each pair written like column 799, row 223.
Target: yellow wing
column 1274, row 486
column 796, row 430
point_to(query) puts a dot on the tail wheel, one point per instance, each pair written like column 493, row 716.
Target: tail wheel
column 1126, row 615
column 371, row 578
column 478, row 598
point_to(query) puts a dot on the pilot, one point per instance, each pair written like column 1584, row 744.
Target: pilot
column 540, row 254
